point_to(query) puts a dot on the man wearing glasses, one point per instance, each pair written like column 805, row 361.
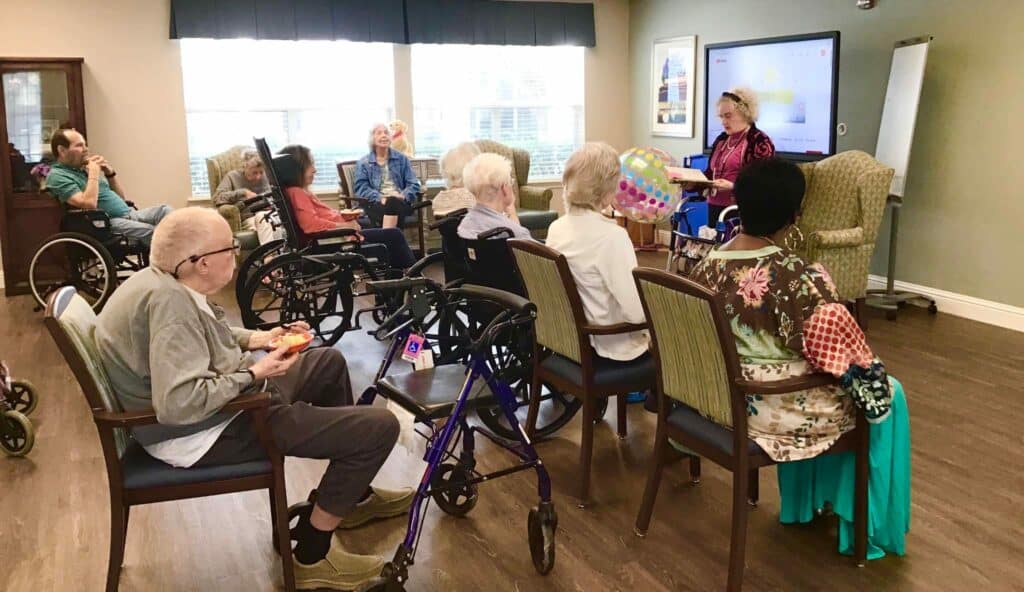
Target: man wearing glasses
column 166, row 348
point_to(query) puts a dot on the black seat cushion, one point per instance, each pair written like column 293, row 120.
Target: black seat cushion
column 431, row 394
column 703, row 429
column 634, row 375
column 142, row 470
column 536, row 219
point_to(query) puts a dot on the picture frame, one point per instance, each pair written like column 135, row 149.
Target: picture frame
column 673, row 77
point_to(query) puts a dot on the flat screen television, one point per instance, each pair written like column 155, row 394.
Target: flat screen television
column 796, row 79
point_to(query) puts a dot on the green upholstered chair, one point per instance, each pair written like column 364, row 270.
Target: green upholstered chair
column 702, row 404
column 842, row 210
column 533, row 204
column 217, row 166
column 133, row 476
column 563, row 356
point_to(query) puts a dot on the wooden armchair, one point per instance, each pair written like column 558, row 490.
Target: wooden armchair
column 702, row 405
column 136, row 478
column 563, row 356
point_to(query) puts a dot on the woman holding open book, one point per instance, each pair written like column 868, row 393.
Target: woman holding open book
column 740, row 143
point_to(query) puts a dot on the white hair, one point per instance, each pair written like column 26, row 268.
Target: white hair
column 182, row 233
column 748, row 105
column 590, row 175
column 486, row 174
column 455, row 160
column 251, row 158
column 373, row 128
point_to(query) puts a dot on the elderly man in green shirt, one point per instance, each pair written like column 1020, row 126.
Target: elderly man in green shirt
column 88, row 182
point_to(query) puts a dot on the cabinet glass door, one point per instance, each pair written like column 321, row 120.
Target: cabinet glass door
column 36, row 103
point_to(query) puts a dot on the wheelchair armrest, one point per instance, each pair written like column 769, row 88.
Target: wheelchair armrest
column 507, row 300
column 420, row 203
column 499, row 232
column 612, row 329
column 334, row 233
column 459, row 213
column 260, row 205
column 127, row 419
column 418, row 267
column 787, row 385
column 256, row 198
column 405, row 283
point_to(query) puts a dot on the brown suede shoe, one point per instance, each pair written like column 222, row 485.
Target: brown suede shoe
column 339, row 570
column 382, row 503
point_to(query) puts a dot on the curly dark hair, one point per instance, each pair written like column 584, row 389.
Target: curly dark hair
column 769, row 193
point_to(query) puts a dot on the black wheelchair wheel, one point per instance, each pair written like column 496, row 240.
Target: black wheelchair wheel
column 73, row 259
column 541, row 527
column 23, row 397
column 452, row 491
column 296, row 288
column 17, row 436
column 260, row 255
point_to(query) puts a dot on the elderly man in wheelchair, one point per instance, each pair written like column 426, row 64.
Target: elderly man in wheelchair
column 166, row 348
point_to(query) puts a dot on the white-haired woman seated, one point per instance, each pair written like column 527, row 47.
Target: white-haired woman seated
column 455, row 196
column 241, row 184
column 489, row 178
column 599, row 251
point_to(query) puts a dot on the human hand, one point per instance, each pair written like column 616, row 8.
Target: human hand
column 104, row 165
column 248, row 194
column 723, row 184
column 275, row 363
column 93, row 168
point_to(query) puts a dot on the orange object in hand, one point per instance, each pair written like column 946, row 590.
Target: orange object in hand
column 296, row 342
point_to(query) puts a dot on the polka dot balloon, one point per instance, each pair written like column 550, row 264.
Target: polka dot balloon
column 644, row 193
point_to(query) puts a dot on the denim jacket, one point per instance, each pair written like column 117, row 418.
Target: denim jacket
column 368, row 176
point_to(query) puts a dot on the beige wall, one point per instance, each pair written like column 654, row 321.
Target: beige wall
column 961, row 226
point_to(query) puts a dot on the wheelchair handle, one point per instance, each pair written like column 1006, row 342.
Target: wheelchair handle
column 382, row 286
column 260, row 205
column 506, row 300
column 256, row 198
column 499, row 232
column 459, row 213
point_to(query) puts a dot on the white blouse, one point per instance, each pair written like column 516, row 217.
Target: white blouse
column 601, row 259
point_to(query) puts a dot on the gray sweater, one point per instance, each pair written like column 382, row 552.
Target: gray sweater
column 162, row 353
column 232, row 190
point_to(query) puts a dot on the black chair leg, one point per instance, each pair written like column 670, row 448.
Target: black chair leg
column 694, row 469
column 621, row 420
column 738, row 540
column 753, row 488
column 118, row 526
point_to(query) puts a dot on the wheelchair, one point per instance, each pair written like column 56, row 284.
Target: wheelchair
column 18, row 400
column 86, row 254
column 439, row 399
column 308, row 277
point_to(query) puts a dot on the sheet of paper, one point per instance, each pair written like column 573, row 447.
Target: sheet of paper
column 684, row 175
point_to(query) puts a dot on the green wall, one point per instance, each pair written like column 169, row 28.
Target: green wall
column 962, row 228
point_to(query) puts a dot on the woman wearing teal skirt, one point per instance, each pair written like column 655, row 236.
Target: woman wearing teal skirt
column 788, row 321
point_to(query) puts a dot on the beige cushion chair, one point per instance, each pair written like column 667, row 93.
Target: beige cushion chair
column 842, row 210
column 532, row 203
column 217, row 166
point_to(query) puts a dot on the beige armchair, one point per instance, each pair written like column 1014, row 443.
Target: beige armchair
column 532, row 203
column 842, row 210
column 217, row 166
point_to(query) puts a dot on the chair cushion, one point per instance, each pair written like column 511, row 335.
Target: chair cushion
column 703, row 429
column 431, row 394
column 142, row 470
column 633, row 375
column 536, row 219
column 248, row 239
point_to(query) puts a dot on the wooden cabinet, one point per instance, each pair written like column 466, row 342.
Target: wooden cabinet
column 37, row 96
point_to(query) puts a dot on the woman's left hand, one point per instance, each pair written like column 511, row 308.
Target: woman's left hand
column 724, row 184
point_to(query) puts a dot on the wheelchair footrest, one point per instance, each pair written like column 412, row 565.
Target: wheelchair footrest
column 431, row 394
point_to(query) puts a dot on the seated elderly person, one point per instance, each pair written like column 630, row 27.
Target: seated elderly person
column 166, row 348
column 599, row 252
column 788, row 321
column 88, row 182
column 242, row 184
column 385, row 177
column 489, row 178
column 455, row 196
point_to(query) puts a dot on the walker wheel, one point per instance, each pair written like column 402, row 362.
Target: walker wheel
column 452, row 492
column 23, row 397
column 16, row 434
column 542, row 523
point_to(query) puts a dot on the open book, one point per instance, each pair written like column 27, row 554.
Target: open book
column 683, row 175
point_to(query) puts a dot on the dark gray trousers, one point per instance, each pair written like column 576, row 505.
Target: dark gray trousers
column 312, row 416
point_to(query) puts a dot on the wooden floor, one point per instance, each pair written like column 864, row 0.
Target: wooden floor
column 965, row 387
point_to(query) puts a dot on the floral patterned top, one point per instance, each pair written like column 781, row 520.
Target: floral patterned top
column 772, row 298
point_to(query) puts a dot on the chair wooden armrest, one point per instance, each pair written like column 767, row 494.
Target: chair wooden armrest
column 787, row 385
column 127, row 419
column 612, row 329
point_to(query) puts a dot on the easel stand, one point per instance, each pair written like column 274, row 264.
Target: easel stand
column 889, row 299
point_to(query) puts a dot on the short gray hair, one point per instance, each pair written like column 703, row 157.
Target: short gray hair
column 373, row 128
column 251, row 158
column 748, row 106
column 180, row 234
column 590, row 174
column 485, row 175
column 455, row 160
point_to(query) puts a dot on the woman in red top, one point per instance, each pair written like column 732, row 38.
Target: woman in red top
column 313, row 215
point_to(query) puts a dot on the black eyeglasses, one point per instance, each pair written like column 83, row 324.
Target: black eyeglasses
column 235, row 246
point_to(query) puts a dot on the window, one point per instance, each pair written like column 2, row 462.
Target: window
column 323, row 94
column 526, row 97
column 23, row 97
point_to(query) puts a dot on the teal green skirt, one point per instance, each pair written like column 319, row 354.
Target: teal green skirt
column 805, row 486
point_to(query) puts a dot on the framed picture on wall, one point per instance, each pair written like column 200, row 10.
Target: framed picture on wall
column 673, row 65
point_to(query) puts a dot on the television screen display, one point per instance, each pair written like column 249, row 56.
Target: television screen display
column 796, row 81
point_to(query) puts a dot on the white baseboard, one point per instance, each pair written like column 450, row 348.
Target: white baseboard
column 960, row 305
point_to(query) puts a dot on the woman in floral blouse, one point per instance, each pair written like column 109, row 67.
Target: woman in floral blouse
column 788, row 321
